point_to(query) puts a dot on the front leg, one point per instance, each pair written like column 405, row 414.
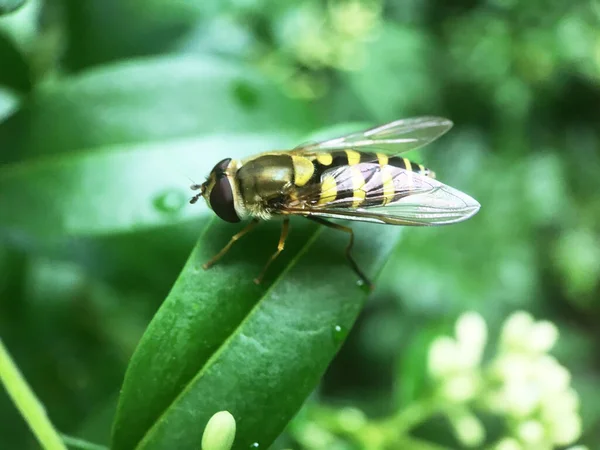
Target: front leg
column 225, row 249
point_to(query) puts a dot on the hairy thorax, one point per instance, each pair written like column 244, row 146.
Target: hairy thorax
column 264, row 182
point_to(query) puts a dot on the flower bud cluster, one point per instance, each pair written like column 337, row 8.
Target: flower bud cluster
column 333, row 37
column 530, row 387
column 522, row 383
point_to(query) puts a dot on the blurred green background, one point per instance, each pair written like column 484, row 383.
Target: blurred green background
column 144, row 92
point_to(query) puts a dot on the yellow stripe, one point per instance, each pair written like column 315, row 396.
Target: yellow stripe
column 328, row 190
column 421, row 168
column 382, row 158
column 353, row 157
column 303, row 170
column 358, row 182
column 388, row 185
column 325, row 158
column 407, row 164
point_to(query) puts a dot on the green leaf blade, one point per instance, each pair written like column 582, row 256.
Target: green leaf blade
column 9, row 6
column 149, row 100
column 117, row 189
column 220, row 342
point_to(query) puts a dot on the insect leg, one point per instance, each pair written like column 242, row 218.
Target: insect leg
column 348, row 230
column 285, row 227
column 234, row 238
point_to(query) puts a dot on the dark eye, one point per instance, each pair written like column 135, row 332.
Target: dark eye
column 221, row 200
column 221, row 166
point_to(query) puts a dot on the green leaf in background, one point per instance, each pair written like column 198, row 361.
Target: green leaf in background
column 117, row 189
column 8, row 6
column 396, row 78
column 8, row 103
column 219, row 342
column 14, row 72
column 146, row 100
column 137, row 28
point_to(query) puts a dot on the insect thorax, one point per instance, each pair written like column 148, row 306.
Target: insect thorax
column 264, row 182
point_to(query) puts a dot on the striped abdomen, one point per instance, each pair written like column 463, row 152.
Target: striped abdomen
column 352, row 179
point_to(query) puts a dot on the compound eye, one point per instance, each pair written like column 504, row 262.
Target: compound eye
column 221, row 167
column 221, row 200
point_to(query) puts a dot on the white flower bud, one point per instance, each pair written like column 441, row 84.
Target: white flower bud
column 568, row 400
column 551, row 375
column 353, row 18
column 468, row 429
column 495, row 401
column 508, row 444
column 554, row 407
column 219, row 432
column 520, row 400
column 531, row 433
column 442, row 357
column 471, row 336
column 460, row 388
column 516, row 330
column 542, row 337
column 512, row 368
column 566, row 430
column 351, row 419
column 314, row 436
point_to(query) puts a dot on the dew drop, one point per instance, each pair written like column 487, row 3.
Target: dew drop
column 169, row 201
column 245, row 94
column 364, row 286
column 339, row 333
column 254, row 445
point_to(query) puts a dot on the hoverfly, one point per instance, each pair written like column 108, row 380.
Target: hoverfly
column 338, row 179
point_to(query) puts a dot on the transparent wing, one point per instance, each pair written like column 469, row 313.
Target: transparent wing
column 392, row 138
column 417, row 200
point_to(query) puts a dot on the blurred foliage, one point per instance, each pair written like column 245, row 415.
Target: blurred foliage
column 136, row 96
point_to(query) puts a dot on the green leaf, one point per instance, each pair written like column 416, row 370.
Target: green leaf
column 15, row 72
column 116, row 189
column 137, row 27
column 8, row 103
column 120, row 161
column 8, row 6
column 219, row 342
column 148, row 100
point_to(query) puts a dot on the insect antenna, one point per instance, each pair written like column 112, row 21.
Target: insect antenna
column 195, row 187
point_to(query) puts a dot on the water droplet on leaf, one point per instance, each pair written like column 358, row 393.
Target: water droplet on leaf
column 254, row 445
column 245, row 94
column 339, row 333
column 364, row 286
column 169, row 201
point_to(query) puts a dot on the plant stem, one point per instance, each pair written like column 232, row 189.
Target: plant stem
column 27, row 403
column 81, row 443
column 418, row 444
column 414, row 414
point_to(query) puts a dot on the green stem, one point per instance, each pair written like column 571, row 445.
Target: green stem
column 418, row 444
column 415, row 414
column 81, row 443
column 27, row 403
column 391, row 431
